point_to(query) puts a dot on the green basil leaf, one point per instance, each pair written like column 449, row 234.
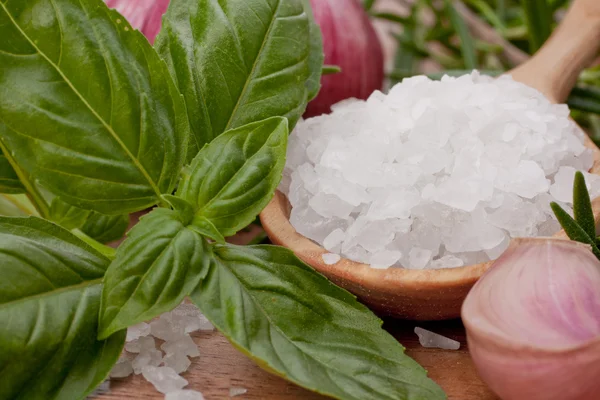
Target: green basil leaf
column 159, row 263
column 16, row 205
column 316, row 55
column 297, row 324
column 237, row 61
column 201, row 224
column 87, row 106
column 9, row 181
column 105, row 228
column 206, row 228
column 582, row 206
column 573, row 230
column 234, row 177
column 66, row 215
column 49, row 301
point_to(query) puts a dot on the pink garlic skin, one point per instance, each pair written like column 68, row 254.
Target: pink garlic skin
column 533, row 322
column 143, row 15
column 350, row 42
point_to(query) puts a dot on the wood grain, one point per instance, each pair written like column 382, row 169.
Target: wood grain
column 221, row 367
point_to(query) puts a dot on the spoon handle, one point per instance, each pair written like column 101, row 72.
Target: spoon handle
column 554, row 69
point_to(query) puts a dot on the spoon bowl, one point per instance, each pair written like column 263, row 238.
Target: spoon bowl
column 438, row 294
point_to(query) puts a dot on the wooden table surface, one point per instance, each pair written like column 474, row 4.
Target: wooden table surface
column 221, row 367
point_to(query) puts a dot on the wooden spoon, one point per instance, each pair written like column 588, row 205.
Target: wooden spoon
column 438, row 294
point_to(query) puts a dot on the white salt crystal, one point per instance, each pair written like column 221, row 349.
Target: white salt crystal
column 151, row 357
column 384, row 259
column 141, row 344
column 497, row 251
column 178, row 361
column 237, row 391
column 184, row 395
column 330, row 258
column 334, row 239
column 448, row 261
column 455, row 168
column 433, row 340
column 137, row 331
column 164, row 328
column 164, row 379
column 184, row 345
column 419, row 258
column 122, row 368
column 190, row 317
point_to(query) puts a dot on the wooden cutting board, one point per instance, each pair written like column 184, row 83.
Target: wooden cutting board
column 221, row 367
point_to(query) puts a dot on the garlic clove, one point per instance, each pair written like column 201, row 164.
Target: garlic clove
column 533, row 322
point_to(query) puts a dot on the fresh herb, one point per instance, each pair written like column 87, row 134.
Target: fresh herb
column 581, row 227
column 96, row 124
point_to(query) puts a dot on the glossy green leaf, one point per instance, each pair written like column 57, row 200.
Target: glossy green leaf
column 295, row 323
column 9, row 181
column 66, row 215
column 234, row 177
column 573, row 229
column 201, row 224
column 316, row 55
column 16, row 205
column 582, row 206
column 237, row 61
column 49, row 301
column 27, row 183
column 105, row 228
column 159, row 263
column 87, row 106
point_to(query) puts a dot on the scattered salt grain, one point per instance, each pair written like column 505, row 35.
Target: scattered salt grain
column 150, row 357
column 164, row 379
column 433, row 340
column 141, row 344
column 142, row 356
column 137, row 331
column 435, row 174
column 123, row 367
column 184, row 395
column 184, row 345
column 330, row 258
column 237, row 391
column 179, row 362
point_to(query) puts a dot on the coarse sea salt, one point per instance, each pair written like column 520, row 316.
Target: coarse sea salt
column 237, row 391
column 162, row 366
column 435, row 174
column 434, row 340
column 330, row 258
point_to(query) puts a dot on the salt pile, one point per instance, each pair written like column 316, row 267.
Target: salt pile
column 142, row 356
column 436, row 174
column 434, row 340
